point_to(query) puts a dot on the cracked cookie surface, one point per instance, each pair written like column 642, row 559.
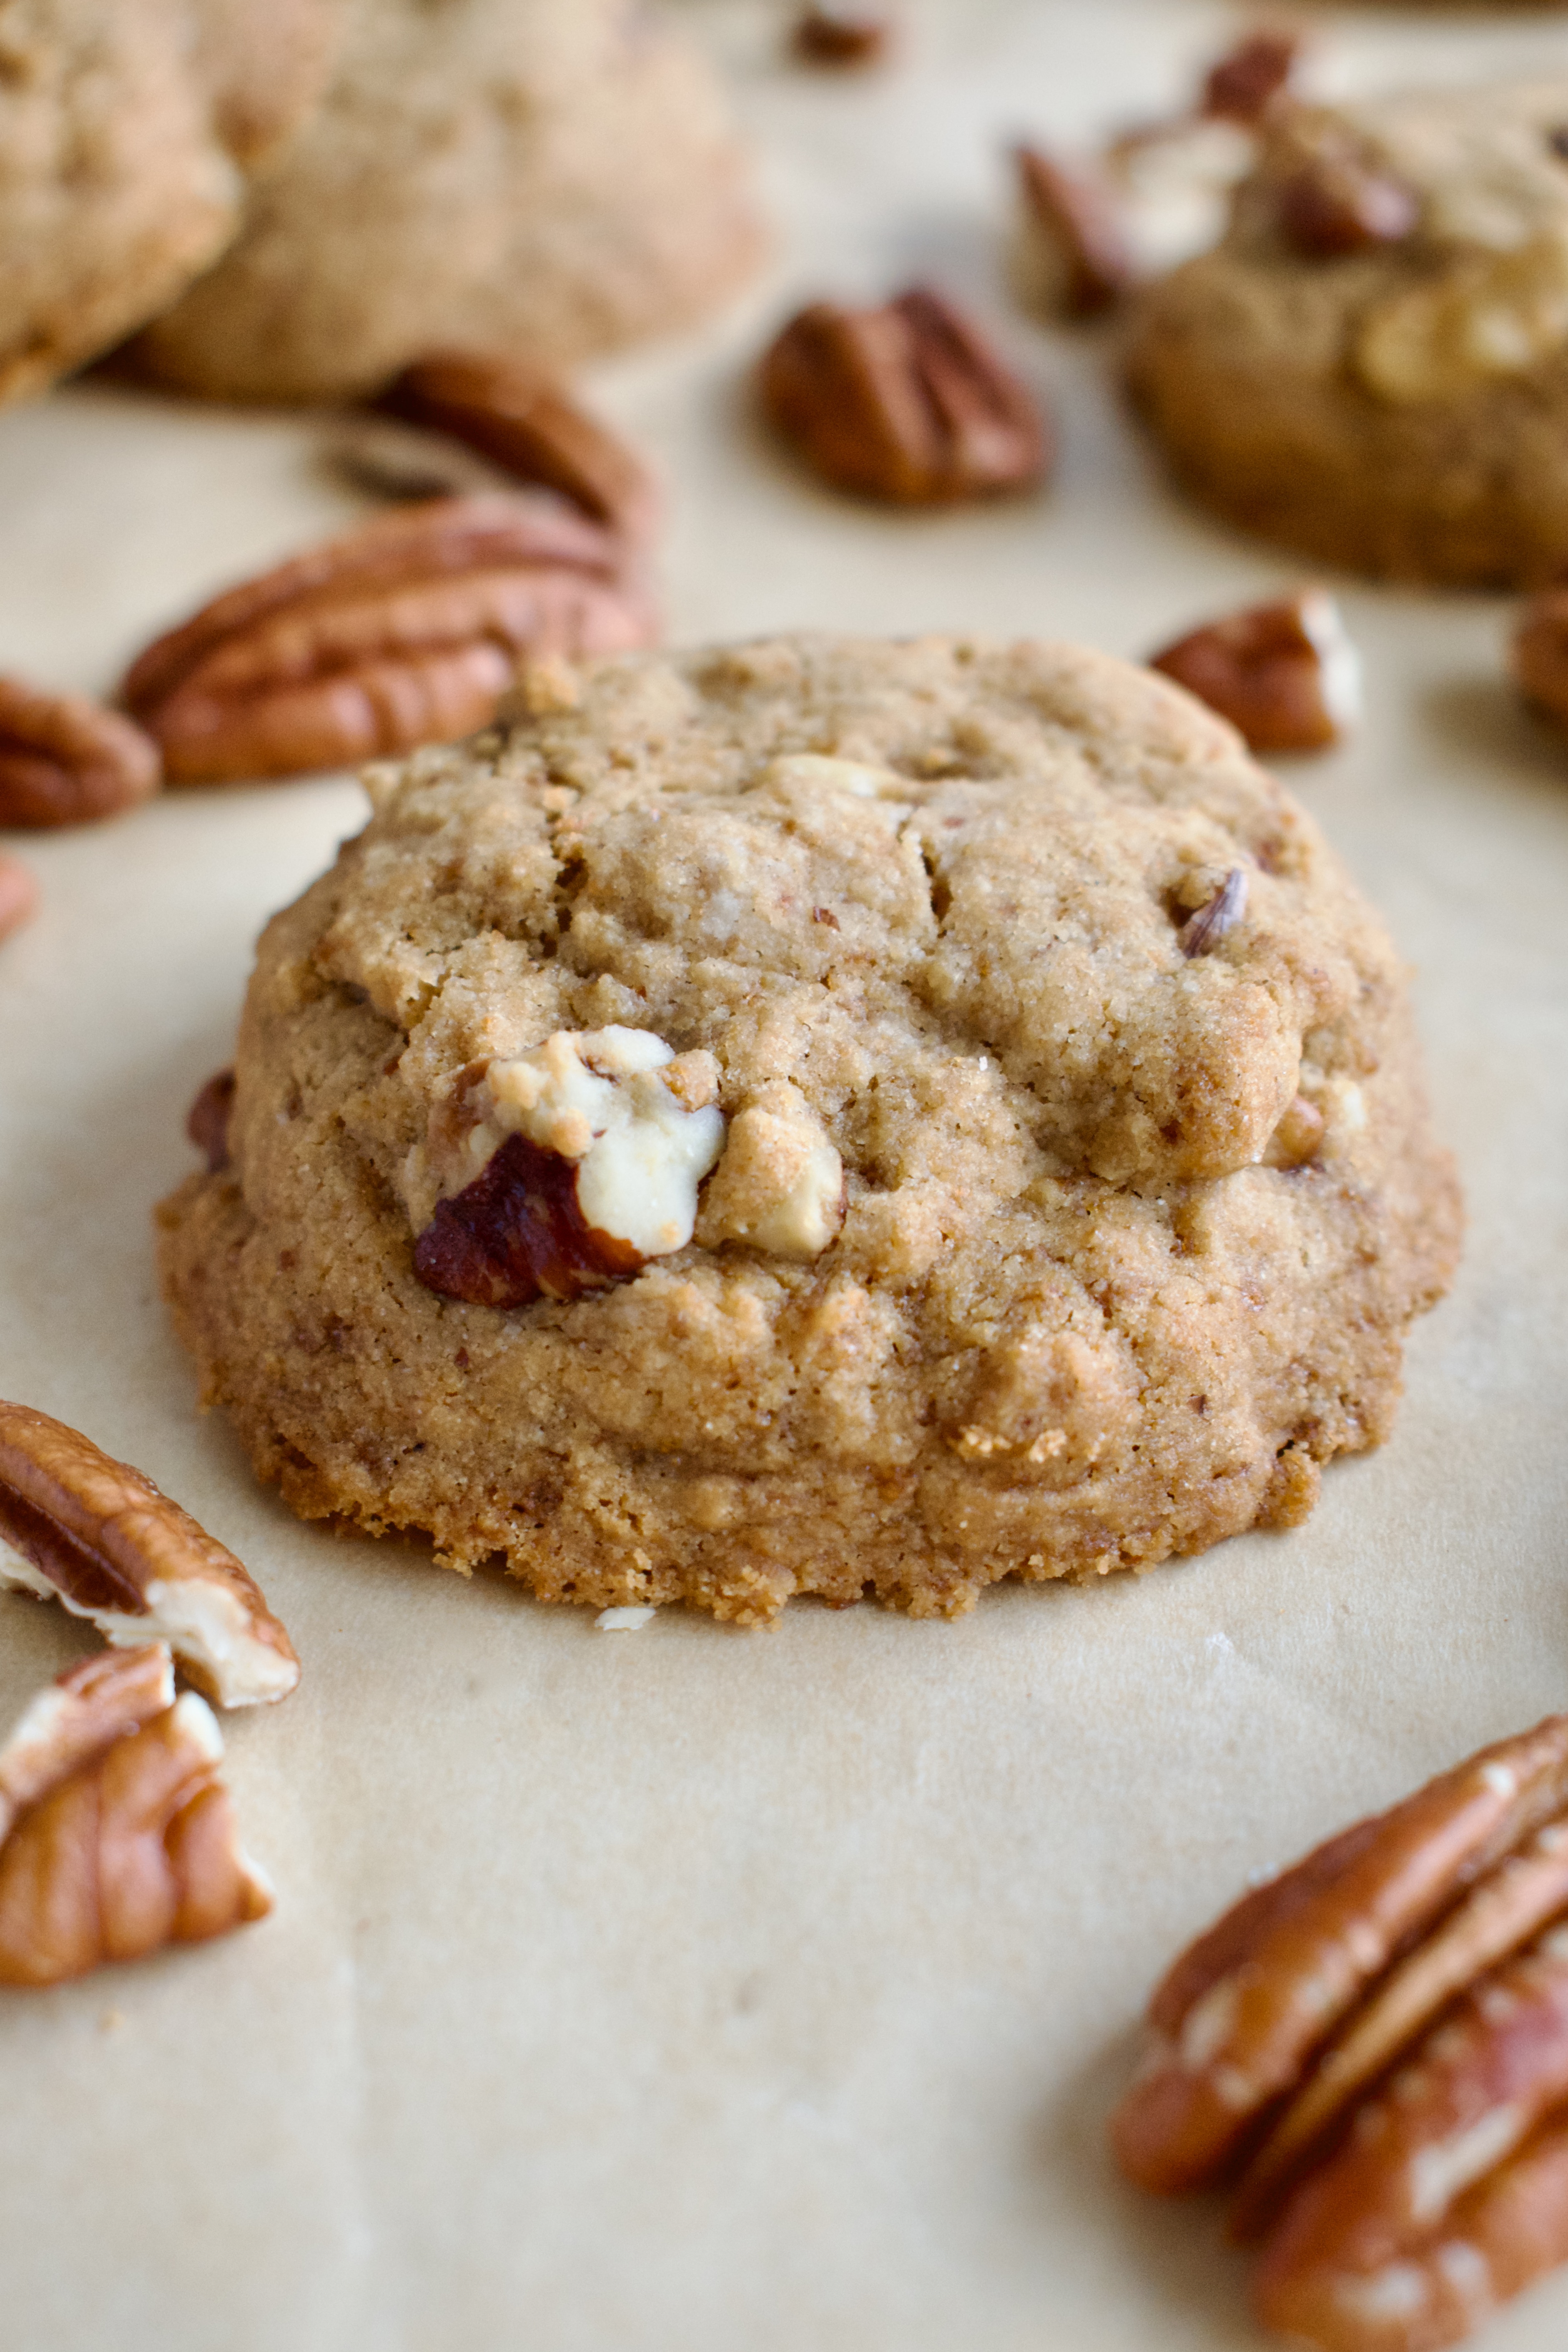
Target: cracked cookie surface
column 1117, row 1238
column 1372, row 366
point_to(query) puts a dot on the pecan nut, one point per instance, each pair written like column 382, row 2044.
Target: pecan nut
column 1377, row 2042
column 1336, row 204
column 907, row 404
column 127, row 1842
column 407, row 631
column 1244, row 84
column 66, row 761
column 525, row 420
column 826, row 35
column 77, row 1526
column 18, row 896
column 1218, row 917
column 589, row 1151
column 1077, row 256
column 208, row 1120
column 1538, row 653
column 95, row 1702
column 1285, row 675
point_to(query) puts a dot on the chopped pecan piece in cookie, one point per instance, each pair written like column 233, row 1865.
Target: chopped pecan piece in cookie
column 124, row 1839
column 827, row 35
column 206, row 1121
column 526, row 420
column 1335, row 205
column 18, row 896
column 77, row 1526
column 1285, row 675
column 1243, row 85
column 1398, row 2207
column 406, row 631
column 1538, row 653
column 66, row 761
column 566, row 1167
column 1076, row 253
column 908, row 402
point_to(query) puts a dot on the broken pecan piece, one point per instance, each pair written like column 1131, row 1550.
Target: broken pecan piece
column 1539, row 654
column 1450, row 2192
column 92, row 1703
column 526, row 420
column 1079, row 262
column 1243, row 85
column 77, row 1526
column 406, row 631
column 589, row 1151
column 909, row 403
column 18, row 896
column 206, row 1121
column 1240, row 2017
column 1336, row 205
column 1215, row 921
column 828, row 36
column 128, row 1848
column 1285, row 675
column 66, row 761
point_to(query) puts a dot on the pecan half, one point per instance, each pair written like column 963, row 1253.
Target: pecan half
column 828, row 36
column 1243, row 2013
column 406, row 631
column 1538, row 657
column 18, row 896
column 1336, row 205
column 1451, row 2191
column 908, row 402
column 206, row 1121
column 1080, row 263
column 525, row 420
column 66, row 761
column 131, row 1849
column 590, row 1151
column 1285, row 675
column 84, row 1711
column 77, row 1526
column 1243, row 85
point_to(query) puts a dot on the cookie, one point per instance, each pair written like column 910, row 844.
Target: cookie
column 127, row 130
column 820, row 1117
column 508, row 174
column 1372, row 366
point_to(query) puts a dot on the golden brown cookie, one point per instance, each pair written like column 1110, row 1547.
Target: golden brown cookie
column 127, row 129
column 821, row 1115
column 1373, row 364
column 509, row 174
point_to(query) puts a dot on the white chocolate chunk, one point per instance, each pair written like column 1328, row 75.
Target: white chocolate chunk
column 860, row 778
column 1497, row 316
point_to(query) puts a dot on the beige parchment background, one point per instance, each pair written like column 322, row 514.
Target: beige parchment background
column 692, row 1991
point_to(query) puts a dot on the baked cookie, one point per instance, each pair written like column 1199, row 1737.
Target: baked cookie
column 823, row 1116
column 127, row 129
column 509, row 175
column 1372, row 366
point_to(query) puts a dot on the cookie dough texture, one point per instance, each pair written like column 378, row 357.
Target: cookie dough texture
column 1402, row 410
column 511, row 174
column 128, row 130
column 927, row 895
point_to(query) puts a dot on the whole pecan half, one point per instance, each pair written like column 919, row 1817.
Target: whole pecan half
column 525, row 420
column 127, row 1842
column 93, row 1703
column 1376, row 2043
column 18, row 895
column 1285, row 675
column 909, row 403
column 65, row 761
column 829, row 36
column 77, row 1526
column 1076, row 242
column 406, row 631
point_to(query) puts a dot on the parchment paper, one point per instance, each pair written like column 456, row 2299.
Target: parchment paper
column 691, row 1990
